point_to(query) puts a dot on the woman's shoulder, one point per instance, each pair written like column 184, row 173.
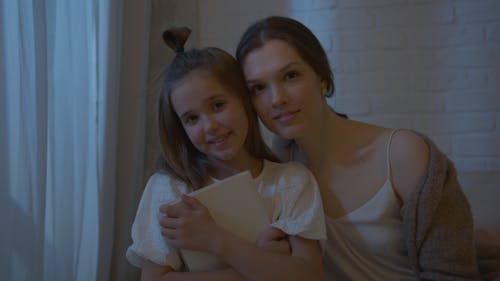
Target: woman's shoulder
column 409, row 159
column 409, row 145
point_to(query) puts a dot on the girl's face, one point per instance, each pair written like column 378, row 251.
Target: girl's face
column 213, row 118
column 286, row 92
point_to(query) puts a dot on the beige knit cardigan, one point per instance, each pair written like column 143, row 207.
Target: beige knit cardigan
column 437, row 219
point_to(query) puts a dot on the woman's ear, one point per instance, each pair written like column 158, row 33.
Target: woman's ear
column 324, row 87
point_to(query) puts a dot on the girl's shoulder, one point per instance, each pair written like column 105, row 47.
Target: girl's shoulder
column 164, row 187
column 288, row 167
column 287, row 174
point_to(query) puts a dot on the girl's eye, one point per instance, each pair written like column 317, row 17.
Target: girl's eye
column 190, row 120
column 291, row 75
column 219, row 105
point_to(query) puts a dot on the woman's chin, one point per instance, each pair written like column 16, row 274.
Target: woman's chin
column 288, row 133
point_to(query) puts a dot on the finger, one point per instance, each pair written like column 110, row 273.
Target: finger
column 192, row 202
column 172, row 238
column 164, row 207
column 168, row 222
column 174, row 243
column 168, row 233
column 175, row 210
column 283, row 247
column 272, row 233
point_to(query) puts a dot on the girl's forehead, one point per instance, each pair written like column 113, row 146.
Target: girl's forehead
column 198, row 84
column 198, row 90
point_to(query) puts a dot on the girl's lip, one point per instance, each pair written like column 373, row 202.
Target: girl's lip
column 220, row 140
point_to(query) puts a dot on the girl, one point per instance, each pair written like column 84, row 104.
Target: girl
column 394, row 209
column 209, row 131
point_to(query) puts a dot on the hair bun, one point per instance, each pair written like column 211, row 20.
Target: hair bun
column 176, row 37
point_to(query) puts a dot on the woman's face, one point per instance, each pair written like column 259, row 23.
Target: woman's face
column 286, row 92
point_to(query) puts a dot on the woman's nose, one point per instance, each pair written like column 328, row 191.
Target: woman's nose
column 278, row 96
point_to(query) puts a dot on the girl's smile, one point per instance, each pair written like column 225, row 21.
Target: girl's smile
column 213, row 117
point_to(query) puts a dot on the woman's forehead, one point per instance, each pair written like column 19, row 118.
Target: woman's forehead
column 273, row 56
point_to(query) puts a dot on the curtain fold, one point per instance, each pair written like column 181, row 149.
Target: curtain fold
column 130, row 179
column 62, row 99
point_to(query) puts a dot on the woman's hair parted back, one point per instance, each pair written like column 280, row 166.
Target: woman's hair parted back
column 180, row 158
column 294, row 33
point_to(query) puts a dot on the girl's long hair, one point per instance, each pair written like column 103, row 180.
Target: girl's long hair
column 179, row 157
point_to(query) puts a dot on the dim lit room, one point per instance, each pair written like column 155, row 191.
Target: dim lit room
column 368, row 132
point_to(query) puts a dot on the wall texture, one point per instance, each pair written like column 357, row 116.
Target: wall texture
column 428, row 65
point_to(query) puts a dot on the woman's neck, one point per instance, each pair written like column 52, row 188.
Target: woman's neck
column 336, row 141
column 322, row 139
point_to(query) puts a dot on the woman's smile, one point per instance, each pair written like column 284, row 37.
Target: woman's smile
column 286, row 117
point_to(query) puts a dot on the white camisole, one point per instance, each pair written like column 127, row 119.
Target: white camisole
column 368, row 243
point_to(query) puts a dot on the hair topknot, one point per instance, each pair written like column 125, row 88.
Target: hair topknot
column 176, row 37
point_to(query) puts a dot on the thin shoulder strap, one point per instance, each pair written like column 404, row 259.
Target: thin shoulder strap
column 389, row 168
column 388, row 149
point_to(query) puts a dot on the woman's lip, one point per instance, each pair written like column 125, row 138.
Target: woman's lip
column 285, row 116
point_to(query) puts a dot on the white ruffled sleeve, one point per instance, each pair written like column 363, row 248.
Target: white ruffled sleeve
column 301, row 210
column 147, row 241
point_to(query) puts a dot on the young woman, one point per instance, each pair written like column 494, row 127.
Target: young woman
column 209, row 131
column 394, row 209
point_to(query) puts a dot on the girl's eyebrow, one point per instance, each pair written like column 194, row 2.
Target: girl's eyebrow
column 209, row 99
column 183, row 115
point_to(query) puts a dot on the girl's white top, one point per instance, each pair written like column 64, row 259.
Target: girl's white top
column 289, row 193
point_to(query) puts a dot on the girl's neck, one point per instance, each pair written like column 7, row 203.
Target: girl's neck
column 222, row 169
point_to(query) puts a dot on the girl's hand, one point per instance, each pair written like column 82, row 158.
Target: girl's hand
column 188, row 225
column 274, row 240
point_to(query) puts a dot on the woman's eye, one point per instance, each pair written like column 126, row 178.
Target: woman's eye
column 291, row 75
column 255, row 89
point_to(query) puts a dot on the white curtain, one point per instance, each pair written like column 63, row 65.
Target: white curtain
column 61, row 99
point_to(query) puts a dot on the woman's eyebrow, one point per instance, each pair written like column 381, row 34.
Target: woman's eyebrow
column 280, row 70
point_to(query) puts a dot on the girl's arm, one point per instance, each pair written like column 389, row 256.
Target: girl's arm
column 155, row 272
column 304, row 263
column 190, row 226
column 271, row 239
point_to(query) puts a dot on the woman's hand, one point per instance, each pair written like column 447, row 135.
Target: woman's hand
column 274, row 240
column 188, row 225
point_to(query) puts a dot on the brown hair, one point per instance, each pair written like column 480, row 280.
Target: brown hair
column 294, row 33
column 180, row 158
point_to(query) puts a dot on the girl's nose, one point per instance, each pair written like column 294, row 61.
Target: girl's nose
column 210, row 124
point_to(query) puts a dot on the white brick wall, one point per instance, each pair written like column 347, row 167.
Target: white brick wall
column 432, row 66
